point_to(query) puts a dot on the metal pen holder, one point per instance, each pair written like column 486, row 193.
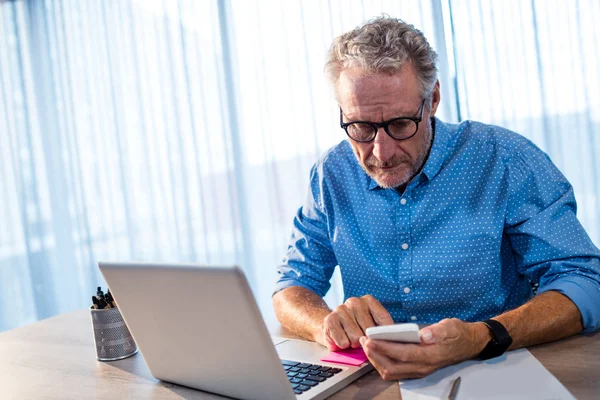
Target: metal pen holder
column 112, row 337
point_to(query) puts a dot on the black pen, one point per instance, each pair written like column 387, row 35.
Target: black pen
column 94, row 302
column 101, row 303
column 110, row 299
column 102, row 298
column 454, row 389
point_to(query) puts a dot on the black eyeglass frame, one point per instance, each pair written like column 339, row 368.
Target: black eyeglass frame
column 384, row 125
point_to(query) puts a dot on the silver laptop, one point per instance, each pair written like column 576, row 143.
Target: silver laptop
column 199, row 326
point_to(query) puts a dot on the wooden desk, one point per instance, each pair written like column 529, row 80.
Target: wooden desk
column 55, row 359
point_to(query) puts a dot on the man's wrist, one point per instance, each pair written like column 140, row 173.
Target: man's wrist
column 481, row 337
column 317, row 330
column 317, row 334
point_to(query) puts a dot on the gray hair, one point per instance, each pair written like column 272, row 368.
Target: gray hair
column 384, row 44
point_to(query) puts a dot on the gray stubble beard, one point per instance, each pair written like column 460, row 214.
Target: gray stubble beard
column 425, row 144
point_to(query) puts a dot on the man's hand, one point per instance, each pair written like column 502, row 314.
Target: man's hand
column 345, row 325
column 450, row 341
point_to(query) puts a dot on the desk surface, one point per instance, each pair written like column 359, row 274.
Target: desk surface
column 55, row 359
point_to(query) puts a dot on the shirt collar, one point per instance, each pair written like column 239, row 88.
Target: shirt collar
column 437, row 155
column 439, row 151
column 371, row 184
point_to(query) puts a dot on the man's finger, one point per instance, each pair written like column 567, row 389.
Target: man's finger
column 365, row 320
column 335, row 333
column 363, row 317
column 380, row 315
column 403, row 352
column 388, row 368
column 383, row 364
column 353, row 331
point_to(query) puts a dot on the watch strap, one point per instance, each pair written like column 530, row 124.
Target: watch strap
column 501, row 340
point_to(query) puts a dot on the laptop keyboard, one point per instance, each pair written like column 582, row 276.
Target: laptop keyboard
column 305, row 376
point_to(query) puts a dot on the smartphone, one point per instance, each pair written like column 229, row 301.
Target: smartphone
column 405, row 333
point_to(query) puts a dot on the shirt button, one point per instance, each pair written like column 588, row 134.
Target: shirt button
column 405, row 246
column 403, row 201
column 407, row 290
column 414, row 318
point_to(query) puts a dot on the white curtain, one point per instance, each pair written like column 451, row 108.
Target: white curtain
column 185, row 130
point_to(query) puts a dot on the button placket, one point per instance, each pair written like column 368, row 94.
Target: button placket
column 405, row 262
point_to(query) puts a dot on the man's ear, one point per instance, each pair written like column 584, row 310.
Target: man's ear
column 435, row 98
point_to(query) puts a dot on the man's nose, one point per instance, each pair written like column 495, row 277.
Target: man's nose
column 383, row 146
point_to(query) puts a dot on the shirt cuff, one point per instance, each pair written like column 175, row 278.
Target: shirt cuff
column 585, row 293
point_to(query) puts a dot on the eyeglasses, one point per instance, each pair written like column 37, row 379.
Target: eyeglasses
column 401, row 128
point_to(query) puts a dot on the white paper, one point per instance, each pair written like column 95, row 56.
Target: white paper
column 515, row 375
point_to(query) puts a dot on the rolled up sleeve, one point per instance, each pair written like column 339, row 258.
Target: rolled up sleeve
column 310, row 260
column 550, row 245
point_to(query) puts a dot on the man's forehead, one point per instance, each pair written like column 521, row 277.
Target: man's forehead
column 356, row 86
column 357, row 79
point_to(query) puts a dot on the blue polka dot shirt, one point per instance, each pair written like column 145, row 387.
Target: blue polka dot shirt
column 488, row 215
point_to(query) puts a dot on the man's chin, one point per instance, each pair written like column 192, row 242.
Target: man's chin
column 390, row 181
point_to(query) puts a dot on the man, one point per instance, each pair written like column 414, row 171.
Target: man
column 431, row 223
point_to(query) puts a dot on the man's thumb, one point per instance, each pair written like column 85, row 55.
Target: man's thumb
column 427, row 336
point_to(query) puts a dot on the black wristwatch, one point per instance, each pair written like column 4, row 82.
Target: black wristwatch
column 501, row 340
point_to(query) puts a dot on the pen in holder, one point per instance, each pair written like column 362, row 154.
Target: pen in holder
column 112, row 337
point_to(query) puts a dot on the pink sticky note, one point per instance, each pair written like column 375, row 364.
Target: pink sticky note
column 349, row 357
